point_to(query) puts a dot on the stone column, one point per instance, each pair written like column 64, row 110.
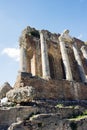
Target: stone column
column 44, row 56
column 65, row 59
column 23, row 59
column 33, row 65
column 84, row 51
column 79, row 63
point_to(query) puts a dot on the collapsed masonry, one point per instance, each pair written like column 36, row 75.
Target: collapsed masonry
column 59, row 61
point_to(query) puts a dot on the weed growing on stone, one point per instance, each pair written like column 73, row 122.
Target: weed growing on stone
column 59, row 106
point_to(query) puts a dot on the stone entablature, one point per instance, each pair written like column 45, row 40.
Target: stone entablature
column 52, row 56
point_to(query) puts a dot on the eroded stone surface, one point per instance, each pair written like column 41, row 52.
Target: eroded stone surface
column 23, row 94
column 42, row 115
column 30, row 38
column 34, row 92
column 4, row 89
column 54, row 89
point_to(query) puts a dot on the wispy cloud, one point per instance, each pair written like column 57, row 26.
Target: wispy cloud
column 12, row 53
column 80, row 36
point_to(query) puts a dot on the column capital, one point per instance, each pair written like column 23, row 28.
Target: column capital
column 41, row 31
column 65, row 37
column 83, row 48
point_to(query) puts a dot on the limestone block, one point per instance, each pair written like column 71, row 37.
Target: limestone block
column 22, row 94
column 4, row 89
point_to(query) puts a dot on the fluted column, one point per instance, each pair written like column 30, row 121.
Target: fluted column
column 84, row 51
column 65, row 59
column 79, row 63
column 44, row 56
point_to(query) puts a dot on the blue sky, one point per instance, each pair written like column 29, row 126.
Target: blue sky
column 53, row 15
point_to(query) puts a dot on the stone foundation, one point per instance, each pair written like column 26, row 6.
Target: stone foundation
column 53, row 89
column 43, row 115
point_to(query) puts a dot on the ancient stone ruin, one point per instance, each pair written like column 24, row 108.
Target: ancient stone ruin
column 54, row 64
column 52, row 56
column 50, row 92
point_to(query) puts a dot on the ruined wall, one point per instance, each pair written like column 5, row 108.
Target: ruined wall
column 57, row 87
column 53, row 89
column 34, row 62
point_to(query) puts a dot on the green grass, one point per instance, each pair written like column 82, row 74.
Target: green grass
column 59, row 106
column 85, row 112
column 79, row 117
column 62, row 106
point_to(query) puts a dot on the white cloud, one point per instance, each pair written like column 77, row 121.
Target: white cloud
column 12, row 53
column 80, row 36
